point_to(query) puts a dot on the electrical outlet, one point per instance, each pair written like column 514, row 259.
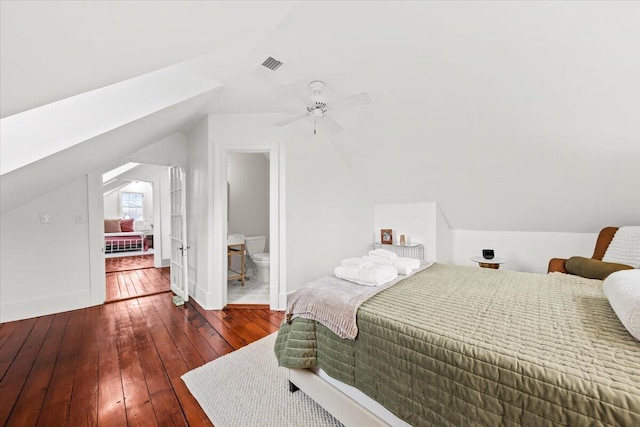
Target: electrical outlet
column 79, row 218
column 45, row 218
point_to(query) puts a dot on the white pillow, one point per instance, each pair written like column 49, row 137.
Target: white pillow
column 624, row 247
column 622, row 288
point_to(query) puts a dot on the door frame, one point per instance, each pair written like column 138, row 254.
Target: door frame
column 95, row 220
column 277, row 246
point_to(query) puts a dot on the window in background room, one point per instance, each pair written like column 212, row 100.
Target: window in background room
column 132, row 205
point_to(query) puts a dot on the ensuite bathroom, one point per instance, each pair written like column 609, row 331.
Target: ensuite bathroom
column 248, row 228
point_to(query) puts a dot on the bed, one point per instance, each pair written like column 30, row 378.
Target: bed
column 125, row 242
column 457, row 345
column 121, row 237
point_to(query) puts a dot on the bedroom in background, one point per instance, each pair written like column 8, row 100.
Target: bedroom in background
column 133, row 219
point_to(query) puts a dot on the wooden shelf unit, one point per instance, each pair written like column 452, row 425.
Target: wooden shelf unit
column 237, row 250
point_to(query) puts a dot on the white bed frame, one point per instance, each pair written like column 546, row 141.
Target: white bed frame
column 125, row 247
column 339, row 404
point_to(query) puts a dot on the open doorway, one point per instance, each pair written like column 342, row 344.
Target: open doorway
column 133, row 224
column 248, row 225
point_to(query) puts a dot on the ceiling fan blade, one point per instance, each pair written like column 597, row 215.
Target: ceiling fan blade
column 329, row 125
column 295, row 90
column 350, row 101
column 292, row 119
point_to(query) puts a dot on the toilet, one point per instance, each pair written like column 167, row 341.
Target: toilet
column 255, row 250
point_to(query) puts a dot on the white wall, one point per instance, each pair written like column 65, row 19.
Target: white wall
column 44, row 268
column 420, row 223
column 443, row 238
column 248, row 177
column 169, row 151
column 328, row 215
column 198, row 199
column 525, row 251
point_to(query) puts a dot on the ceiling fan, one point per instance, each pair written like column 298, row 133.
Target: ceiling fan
column 318, row 108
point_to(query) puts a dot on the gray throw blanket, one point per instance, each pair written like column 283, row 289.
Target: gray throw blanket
column 334, row 302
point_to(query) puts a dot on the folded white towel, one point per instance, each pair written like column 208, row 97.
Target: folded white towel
column 371, row 275
column 378, row 260
column 405, row 265
column 383, row 253
column 358, row 263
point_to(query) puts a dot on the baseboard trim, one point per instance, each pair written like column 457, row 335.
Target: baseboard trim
column 36, row 307
column 248, row 306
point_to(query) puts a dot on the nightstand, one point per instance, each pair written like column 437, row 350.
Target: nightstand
column 489, row 263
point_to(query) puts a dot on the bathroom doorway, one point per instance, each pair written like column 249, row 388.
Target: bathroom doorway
column 248, row 226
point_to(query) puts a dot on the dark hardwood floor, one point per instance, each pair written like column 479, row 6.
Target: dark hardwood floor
column 136, row 262
column 139, row 282
column 117, row 364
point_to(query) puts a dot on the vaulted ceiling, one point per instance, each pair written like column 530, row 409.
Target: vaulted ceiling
column 509, row 115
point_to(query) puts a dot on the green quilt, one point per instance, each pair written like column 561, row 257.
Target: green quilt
column 470, row 346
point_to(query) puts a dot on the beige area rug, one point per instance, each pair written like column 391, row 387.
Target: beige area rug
column 246, row 388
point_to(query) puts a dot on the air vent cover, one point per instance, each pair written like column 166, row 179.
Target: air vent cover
column 272, row 63
column 268, row 67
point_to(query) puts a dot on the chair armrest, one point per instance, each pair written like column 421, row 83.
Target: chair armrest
column 557, row 264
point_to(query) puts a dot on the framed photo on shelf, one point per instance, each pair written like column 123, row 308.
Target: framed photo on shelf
column 386, row 236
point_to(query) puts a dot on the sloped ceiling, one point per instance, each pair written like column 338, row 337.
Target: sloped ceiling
column 51, row 50
column 509, row 115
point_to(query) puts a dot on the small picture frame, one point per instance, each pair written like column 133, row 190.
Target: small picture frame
column 386, row 236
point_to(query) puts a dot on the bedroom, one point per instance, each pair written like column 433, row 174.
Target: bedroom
column 510, row 127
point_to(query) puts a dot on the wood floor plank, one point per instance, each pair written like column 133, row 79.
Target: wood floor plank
column 113, row 289
column 27, row 407
column 17, row 335
column 55, row 407
column 164, row 400
column 131, row 289
column 83, row 408
column 174, row 364
column 260, row 321
column 6, row 329
column 154, row 279
column 14, row 379
column 187, row 319
column 187, row 349
column 142, row 285
column 120, row 363
column 122, row 285
column 225, row 331
column 111, row 409
column 136, row 396
column 275, row 317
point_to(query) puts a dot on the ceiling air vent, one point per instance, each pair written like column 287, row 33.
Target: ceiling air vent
column 272, row 63
column 267, row 67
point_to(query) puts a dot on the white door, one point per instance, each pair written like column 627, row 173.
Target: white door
column 179, row 270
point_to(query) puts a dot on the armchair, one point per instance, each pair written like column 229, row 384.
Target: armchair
column 602, row 243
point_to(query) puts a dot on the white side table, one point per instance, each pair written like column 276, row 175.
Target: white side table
column 489, row 263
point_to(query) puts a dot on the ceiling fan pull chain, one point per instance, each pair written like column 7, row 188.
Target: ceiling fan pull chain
column 314, row 125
